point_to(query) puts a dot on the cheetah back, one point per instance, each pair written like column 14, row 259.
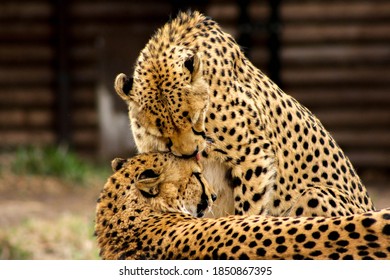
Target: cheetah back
column 195, row 92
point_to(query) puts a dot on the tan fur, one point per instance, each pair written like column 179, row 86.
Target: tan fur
column 195, row 92
column 132, row 226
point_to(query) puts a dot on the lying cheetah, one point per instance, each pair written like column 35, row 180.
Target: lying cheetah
column 195, row 94
column 148, row 209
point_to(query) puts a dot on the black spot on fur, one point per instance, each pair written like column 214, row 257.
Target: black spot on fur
column 386, row 216
column 350, row 227
column 367, row 222
column 261, row 252
column 281, row 249
column 386, row 230
column 299, row 211
column 292, row 231
column 248, row 174
column 334, row 235
column 309, row 244
column 370, row 237
column 313, row 203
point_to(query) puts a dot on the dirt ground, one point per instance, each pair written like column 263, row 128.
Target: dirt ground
column 46, row 218
column 23, row 197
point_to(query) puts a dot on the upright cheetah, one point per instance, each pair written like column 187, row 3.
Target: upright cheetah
column 194, row 93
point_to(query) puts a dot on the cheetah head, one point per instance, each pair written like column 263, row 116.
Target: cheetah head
column 168, row 99
column 161, row 181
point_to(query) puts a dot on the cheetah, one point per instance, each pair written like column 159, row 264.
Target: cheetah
column 149, row 209
column 195, row 94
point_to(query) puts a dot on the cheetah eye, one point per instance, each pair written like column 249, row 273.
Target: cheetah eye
column 148, row 174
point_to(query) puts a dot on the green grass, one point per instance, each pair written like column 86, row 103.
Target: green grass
column 9, row 251
column 54, row 161
column 69, row 237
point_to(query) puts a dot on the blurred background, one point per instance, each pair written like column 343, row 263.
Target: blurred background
column 61, row 122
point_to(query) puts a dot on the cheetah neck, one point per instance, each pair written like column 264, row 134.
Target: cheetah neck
column 118, row 219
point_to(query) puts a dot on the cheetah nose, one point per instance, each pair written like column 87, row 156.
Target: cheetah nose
column 214, row 197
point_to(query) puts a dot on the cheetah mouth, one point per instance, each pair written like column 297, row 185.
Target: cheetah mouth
column 193, row 155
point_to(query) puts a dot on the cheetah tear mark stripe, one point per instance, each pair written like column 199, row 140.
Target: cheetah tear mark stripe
column 204, row 136
column 203, row 202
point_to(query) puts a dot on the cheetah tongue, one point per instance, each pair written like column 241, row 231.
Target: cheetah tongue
column 197, row 156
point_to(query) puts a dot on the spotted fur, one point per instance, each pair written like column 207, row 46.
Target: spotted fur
column 195, row 93
column 132, row 224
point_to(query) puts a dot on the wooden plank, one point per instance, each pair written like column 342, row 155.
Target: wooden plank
column 14, row 139
column 85, row 95
column 22, row 32
column 224, row 12
column 326, row 33
column 84, row 117
column 369, row 159
column 86, row 34
column 18, row 118
column 343, row 96
column 25, row 10
column 18, row 97
column 330, row 76
column 353, row 119
column 335, row 10
column 26, row 54
column 337, row 54
column 28, row 75
column 364, row 139
column 38, row 74
column 84, row 53
column 259, row 11
column 84, row 75
column 85, row 139
column 118, row 11
column 259, row 56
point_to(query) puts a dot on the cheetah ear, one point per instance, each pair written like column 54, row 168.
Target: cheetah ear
column 123, row 86
column 194, row 65
column 117, row 164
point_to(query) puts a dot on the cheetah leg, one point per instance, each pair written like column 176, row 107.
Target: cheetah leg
column 322, row 201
